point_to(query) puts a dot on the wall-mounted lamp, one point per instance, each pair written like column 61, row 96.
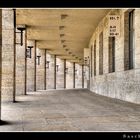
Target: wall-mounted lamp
column 38, row 57
column 62, row 41
column 66, row 70
column 61, row 35
column 61, row 27
column 64, row 46
column 47, row 64
column 75, row 71
column 57, row 66
column 29, row 52
column 21, row 28
column 63, row 16
column 84, row 73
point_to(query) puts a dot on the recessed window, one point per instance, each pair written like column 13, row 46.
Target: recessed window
column 111, row 54
column 101, row 53
column 129, row 40
column 95, row 58
column 91, row 60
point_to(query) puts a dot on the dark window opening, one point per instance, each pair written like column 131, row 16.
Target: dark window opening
column 129, row 40
column 95, row 58
column 111, row 54
column 101, row 53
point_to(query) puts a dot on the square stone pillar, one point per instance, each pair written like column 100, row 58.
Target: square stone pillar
column 69, row 75
column 8, row 63
column 40, row 70
column 0, row 56
column 31, row 67
column 59, row 73
column 50, row 71
column 78, row 76
column 20, row 64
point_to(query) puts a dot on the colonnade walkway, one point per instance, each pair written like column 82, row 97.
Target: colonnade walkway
column 69, row 110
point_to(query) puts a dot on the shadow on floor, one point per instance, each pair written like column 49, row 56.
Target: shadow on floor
column 5, row 122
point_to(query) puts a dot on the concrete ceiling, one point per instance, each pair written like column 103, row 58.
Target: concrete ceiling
column 64, row 32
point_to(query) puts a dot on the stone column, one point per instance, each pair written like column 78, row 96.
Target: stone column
column 54, row 71
column 50, row 71
column 78, row 76
column 31, row 67
column 59, row 73
column 8, row 53
column 86, row 76
column 35, row 67
column 69, row 75
column 64, row 73
column 74, row 75
column 82, row 76
column 0, row 56
column 40, row 70
column 45, row 70
column 20, row 64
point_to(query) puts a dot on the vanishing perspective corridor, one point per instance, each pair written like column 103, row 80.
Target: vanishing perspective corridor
column 70, row 110
column 69, row 69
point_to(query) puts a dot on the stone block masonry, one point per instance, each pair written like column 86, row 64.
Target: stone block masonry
column 0, row 56
column 7, row 54
column 31, row 67
column 20, row 64
column 40, row 69
column 59, row 73
column 121, row 84
column 50, row 71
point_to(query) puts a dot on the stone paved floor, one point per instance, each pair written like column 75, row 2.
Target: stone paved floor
column 69, row 110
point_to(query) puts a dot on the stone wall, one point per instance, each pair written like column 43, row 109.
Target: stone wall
column 7, row 54
column 121, row 84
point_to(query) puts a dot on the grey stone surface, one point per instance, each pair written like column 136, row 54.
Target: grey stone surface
column 69, row 110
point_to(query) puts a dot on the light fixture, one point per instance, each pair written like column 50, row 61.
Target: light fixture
column 38, row 57
column 47, row 64
column 61, row 27
column 84, row 73
column 28, row 52
column 62, row 41
column 21, row 28
column 61, row 35
column 66, row 70
column 57, row 66
column 63, row 16
column 75, row 71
